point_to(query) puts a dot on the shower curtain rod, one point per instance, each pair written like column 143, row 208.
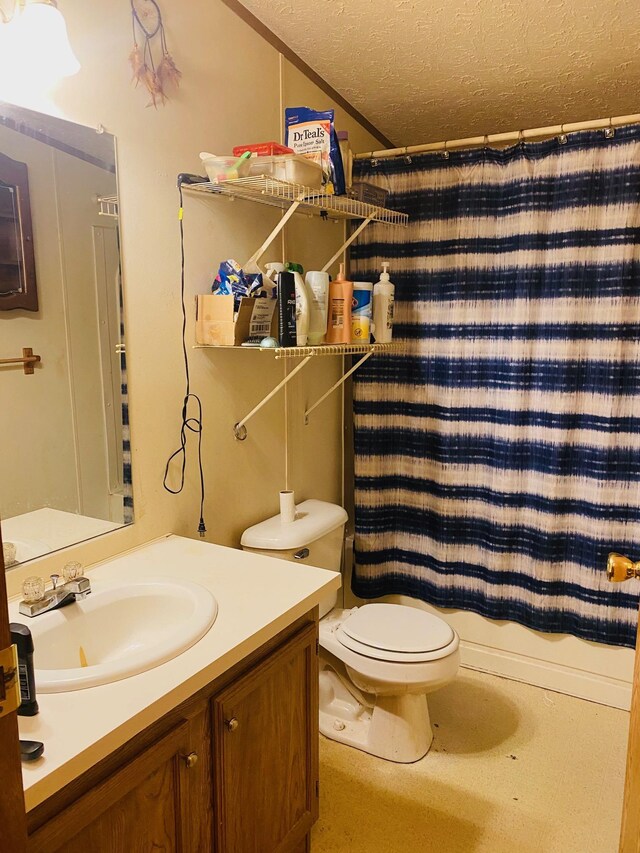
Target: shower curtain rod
column 511, row 136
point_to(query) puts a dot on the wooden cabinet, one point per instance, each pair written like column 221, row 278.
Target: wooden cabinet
column 233, row 770
column 266, row 752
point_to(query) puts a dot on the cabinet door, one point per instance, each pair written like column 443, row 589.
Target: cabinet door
column 143, row 806
column 265, row 737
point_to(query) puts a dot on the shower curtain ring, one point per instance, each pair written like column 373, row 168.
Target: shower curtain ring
column 562, row 136
column 520, row 137
column 610, row 131
column 445, row 153
column 485, row 141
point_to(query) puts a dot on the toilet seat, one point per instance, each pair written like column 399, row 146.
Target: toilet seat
column 396, row 633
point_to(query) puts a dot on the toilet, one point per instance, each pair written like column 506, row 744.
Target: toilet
column 378, row 662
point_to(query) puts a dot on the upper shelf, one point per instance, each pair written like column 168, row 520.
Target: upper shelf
column 277, row 193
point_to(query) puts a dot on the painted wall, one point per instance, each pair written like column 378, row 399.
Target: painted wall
column 226, row 98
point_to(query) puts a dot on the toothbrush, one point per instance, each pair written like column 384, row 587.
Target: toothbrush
column 232, row 171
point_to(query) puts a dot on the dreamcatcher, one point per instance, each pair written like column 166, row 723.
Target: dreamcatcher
column 156, row 76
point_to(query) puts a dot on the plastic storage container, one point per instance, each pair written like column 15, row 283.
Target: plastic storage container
column 263, row 149
column 288, row 167
column 225, row 168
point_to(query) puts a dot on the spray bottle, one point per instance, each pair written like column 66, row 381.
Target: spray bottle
column 383, row 304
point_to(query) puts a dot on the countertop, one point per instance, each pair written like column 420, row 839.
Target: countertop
column 257, row 598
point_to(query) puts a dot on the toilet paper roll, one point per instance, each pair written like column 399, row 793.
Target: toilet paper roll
column 287, row 507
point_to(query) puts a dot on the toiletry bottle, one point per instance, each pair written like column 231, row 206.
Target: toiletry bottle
column 318, row 285
column 21, row 638
column 302, row 304
column 286, row 309
column 361, row 311
column 340, row 296
column 383, row 304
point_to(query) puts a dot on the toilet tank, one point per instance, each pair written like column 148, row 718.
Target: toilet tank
column 318, row 527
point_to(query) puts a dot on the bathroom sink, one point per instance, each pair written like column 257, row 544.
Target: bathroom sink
column 116, row 632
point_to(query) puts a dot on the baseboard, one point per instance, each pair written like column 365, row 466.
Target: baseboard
column 552, row 676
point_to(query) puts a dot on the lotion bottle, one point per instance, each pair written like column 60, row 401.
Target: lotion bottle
column 383, row 305
column 340, row 297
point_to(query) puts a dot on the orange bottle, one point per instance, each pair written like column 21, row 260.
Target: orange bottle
column 339, row 319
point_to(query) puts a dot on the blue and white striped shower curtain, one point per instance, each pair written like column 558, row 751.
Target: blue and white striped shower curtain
column 498, row 457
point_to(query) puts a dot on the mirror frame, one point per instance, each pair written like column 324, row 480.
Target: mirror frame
column 15, row 175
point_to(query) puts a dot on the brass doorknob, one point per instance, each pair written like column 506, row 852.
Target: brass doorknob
column 621, row 568
column 232, row 724
column 190, row 760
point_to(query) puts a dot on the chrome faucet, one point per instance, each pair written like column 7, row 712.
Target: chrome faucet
column 39, row 600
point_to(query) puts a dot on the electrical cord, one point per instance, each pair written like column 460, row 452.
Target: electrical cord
column 189, row 423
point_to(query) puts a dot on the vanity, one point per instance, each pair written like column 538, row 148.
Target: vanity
column 215, row 749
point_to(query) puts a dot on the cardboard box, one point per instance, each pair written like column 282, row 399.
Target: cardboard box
column 217, row 327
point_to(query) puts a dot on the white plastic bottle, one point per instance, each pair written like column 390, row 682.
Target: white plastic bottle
column 383, row 305
column 318, row 286
column 303, row 305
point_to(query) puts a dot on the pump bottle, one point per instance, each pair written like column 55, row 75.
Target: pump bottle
column 383, row 305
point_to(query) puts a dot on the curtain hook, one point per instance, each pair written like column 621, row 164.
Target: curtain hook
column 521, row 137
column 407, row 156
column 562, row 136
column 610, row 131
column 485, row 141
column 445, row 153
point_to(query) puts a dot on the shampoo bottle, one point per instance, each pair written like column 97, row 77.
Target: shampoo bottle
column 340, row 296
column 302, row 305
column 318, row 285
column 383, row 304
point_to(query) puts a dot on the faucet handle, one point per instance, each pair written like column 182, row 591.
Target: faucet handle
column 72, row 571
column 33, row 589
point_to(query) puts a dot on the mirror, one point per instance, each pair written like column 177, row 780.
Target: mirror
column 65, row 470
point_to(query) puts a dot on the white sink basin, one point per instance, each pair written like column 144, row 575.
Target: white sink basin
column 116, row 632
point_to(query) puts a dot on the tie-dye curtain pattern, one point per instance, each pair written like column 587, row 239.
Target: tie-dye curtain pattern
column 498, row 455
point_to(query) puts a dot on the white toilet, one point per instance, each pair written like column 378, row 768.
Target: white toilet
column 378, row 661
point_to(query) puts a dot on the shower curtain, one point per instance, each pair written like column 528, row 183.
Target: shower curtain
column 498, row 455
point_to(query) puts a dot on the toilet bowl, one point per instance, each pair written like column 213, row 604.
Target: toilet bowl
column 378, row 662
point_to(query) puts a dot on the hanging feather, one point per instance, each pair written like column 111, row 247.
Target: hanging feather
column 137, row 64
column 157, row 78
column 168, row 73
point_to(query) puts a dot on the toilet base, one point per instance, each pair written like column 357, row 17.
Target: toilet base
column 396, row 728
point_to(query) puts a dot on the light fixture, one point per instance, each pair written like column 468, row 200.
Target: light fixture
column 35, row 37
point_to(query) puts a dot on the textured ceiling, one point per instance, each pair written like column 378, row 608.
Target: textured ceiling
column 427, row 70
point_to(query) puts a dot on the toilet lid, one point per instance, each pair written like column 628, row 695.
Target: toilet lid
column 395, row 632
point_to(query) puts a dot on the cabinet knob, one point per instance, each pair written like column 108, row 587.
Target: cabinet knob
column 231, row 724
column 190, row 760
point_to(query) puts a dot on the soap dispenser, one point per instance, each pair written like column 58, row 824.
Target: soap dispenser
column 383, row 306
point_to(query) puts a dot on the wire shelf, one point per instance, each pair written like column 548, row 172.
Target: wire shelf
column 266, row 190
column 321, row 349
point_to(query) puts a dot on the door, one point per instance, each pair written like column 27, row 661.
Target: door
column 620, row 568
column 266, row 752
column 13, row 835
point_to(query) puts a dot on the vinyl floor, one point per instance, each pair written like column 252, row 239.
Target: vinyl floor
column 512, row 769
